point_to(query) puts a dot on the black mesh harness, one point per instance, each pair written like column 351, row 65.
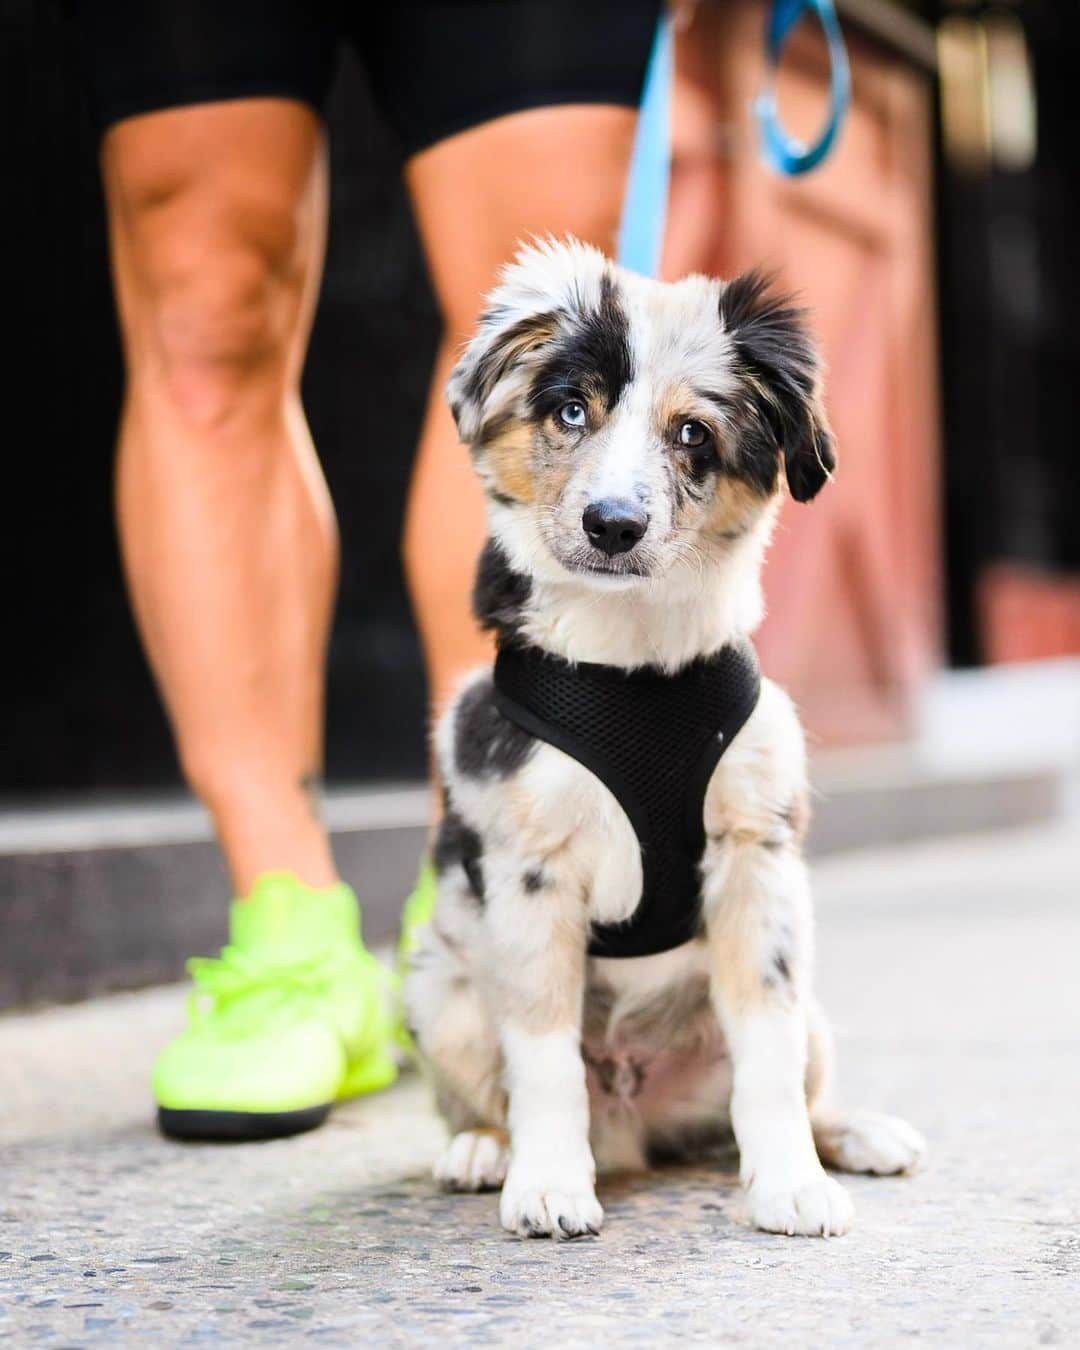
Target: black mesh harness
column 654, row 740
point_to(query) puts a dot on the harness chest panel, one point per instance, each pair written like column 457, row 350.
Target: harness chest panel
column 653, row 740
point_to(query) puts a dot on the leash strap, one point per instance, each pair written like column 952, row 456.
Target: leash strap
column 782, row 152
column 641, row 231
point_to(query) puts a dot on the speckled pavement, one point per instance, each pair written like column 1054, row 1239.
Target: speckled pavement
column 951, row 972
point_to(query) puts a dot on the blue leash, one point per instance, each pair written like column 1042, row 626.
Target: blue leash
column 641, row 232
column 783, row 152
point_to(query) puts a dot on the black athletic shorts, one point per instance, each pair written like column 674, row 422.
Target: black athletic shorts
column 436, row 67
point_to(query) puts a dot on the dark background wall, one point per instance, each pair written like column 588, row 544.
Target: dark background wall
column 80, row 711
column 1010, row 295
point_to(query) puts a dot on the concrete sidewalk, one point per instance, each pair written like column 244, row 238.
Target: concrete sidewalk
column 951, row 972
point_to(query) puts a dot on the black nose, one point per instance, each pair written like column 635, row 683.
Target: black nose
column 614, row 526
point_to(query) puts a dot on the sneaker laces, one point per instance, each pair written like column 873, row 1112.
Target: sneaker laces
column 236, row 974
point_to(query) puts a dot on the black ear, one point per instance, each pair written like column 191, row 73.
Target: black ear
column 780, row 360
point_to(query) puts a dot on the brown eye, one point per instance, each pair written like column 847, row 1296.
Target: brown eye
column 694, row 435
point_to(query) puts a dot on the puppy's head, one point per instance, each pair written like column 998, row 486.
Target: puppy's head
column 622, row 425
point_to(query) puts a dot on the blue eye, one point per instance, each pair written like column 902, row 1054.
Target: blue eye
column 573, row 414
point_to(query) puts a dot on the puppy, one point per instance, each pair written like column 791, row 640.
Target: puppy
column 633, row 439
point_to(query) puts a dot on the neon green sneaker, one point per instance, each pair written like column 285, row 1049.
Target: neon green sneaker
column 294, row 1015
column 417, row 913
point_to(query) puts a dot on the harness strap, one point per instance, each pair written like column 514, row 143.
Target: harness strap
column 653, row 739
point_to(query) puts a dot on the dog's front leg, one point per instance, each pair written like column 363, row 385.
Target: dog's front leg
column 535, row 921
column 758, row 908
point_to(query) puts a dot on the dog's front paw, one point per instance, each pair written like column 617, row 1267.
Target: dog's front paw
column 474, row 1160
column 538, row 1205
column 815, row 1207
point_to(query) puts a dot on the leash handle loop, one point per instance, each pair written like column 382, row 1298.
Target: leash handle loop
column 644, row 214
column 783, row 152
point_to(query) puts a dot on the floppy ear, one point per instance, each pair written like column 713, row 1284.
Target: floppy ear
column 781, row 361
column 502, row 339
column 547, row 280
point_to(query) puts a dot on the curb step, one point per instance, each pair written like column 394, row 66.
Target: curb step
column 116, row 896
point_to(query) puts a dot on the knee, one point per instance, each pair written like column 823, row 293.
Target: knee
column 218, row 328
column 215, row 312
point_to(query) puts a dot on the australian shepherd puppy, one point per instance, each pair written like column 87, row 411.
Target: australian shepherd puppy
column 634, row 439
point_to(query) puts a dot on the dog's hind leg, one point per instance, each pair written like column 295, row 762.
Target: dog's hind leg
column 456, row 1036
column 473, row 1104
column 866, row 1141
column 474, row 1160
column 853, row 1141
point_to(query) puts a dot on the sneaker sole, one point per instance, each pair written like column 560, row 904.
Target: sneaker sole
column 238, row 1127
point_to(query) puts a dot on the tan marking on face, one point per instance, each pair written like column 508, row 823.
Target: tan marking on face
column 555, row 456
column 528, row 463
column 509, row 454
column 735, row 506
column 675, row 402
column 735, row 503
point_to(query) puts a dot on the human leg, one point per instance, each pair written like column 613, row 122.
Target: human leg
column 476, row 195
column 217, row 216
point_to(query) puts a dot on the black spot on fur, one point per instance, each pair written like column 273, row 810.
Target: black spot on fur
column 451, row 944
column 499, row 593
column 615, row 1078
column 702, row 462
column 758, row 450
column 778, row 974
column 777, row 353
column 690, row 1142
column 757, row 459
column 458, row 845
column 474, row 873
column 796, row 816
column 486, row 745
column 534, row 880
column 591, row 358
